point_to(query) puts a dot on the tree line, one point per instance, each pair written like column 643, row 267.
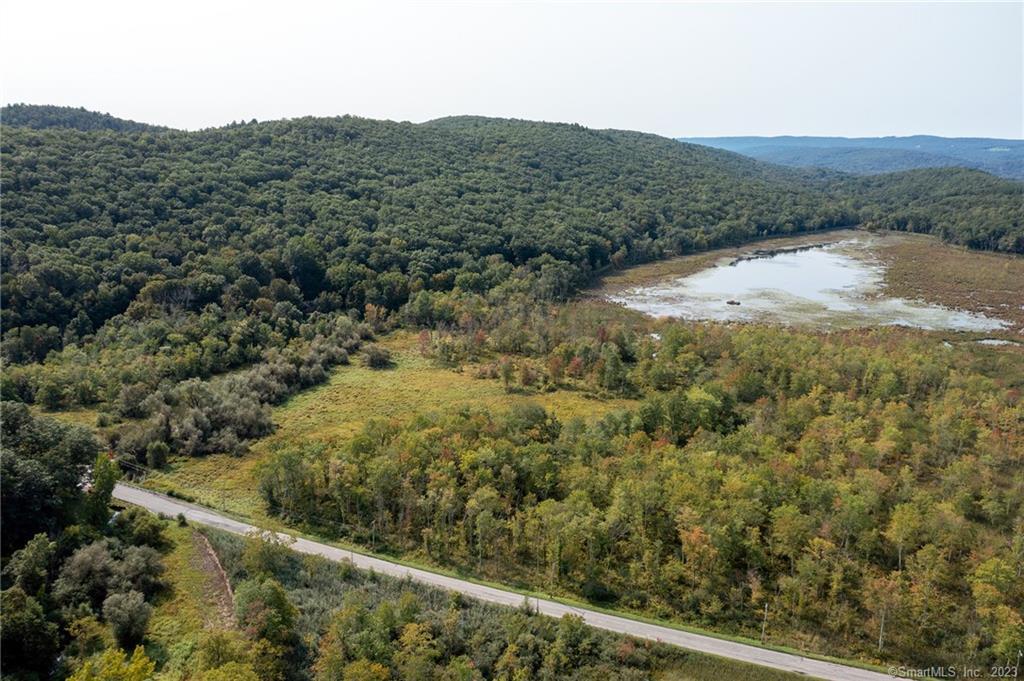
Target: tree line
column 859, row 494
column 76, row 579
column 303, row 617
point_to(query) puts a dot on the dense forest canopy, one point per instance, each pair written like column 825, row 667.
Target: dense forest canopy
column 43, row 116
column 91, row 218
column 865, row 487
column 353, row 211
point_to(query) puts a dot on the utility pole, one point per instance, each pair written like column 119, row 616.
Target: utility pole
column 881, row 631
column 764, row 622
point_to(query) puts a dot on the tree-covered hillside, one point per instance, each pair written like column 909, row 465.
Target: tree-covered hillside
column 855, row 493
column 354, row 211
column 958, row 205
column 44, row 116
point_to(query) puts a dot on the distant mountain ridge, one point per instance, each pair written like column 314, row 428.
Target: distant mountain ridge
column 40, row 116
column 872, row 155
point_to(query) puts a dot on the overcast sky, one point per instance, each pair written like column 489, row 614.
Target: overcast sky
column 678, row 69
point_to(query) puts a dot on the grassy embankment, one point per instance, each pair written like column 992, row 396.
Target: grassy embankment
column 195, row 600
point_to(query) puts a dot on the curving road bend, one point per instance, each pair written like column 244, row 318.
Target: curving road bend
column 159, row 503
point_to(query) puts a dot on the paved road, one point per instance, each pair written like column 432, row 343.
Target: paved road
column 159, row 503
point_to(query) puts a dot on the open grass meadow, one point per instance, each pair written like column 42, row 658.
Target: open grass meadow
column 335, row 411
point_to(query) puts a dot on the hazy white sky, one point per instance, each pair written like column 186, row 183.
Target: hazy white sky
column 677, row 69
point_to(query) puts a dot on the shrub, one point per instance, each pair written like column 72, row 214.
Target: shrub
column 264, row 611
column 156, row 454
column 114, row 665
column 87, row 576
column 128, row 615
column 266, row 554
column 220, row 648
column 140, row 569
column 131, row 401
column 376, row 357
column 139, row 527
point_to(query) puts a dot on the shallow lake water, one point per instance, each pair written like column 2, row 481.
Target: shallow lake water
column 836, row 285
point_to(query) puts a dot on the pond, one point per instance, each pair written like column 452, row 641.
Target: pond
column 835, row 285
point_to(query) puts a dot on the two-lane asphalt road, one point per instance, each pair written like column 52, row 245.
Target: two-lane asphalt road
column 159, row 503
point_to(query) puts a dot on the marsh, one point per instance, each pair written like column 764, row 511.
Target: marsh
column 838, row 284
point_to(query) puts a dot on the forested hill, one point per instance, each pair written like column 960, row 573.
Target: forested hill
column 348, row 212
column 356, row 211
column 959, row 205
column 45, row 116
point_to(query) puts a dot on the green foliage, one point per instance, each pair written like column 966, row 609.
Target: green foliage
column 366, row 627
column 233, row 220
column 128, row 615
column 99, row 577
column 105, row 474
column 30, row 566
column 946, row 203
column 28, row 640
column 264, row 611
column 277, row 219
column 218, row 648
column 114, row 665
column 835, row 478
column 365, row 670
column 44, row 116
column 137, row 526
column 265, row 555
column 232, row 671
column 43, row 462
column 376, row 357
column 156, row 454
column 106, row 567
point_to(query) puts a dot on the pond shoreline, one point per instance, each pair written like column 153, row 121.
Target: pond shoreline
column 682, row 265
column 845, row 286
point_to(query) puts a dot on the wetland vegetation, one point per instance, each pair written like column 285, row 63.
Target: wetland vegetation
column 837, row 284
column 375, row 332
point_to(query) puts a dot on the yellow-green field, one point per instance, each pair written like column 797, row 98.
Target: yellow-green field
column 77, row 417
column 194, row 601
column 337, row 410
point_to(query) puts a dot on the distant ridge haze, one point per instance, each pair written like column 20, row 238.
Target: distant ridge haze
column 871, row 155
